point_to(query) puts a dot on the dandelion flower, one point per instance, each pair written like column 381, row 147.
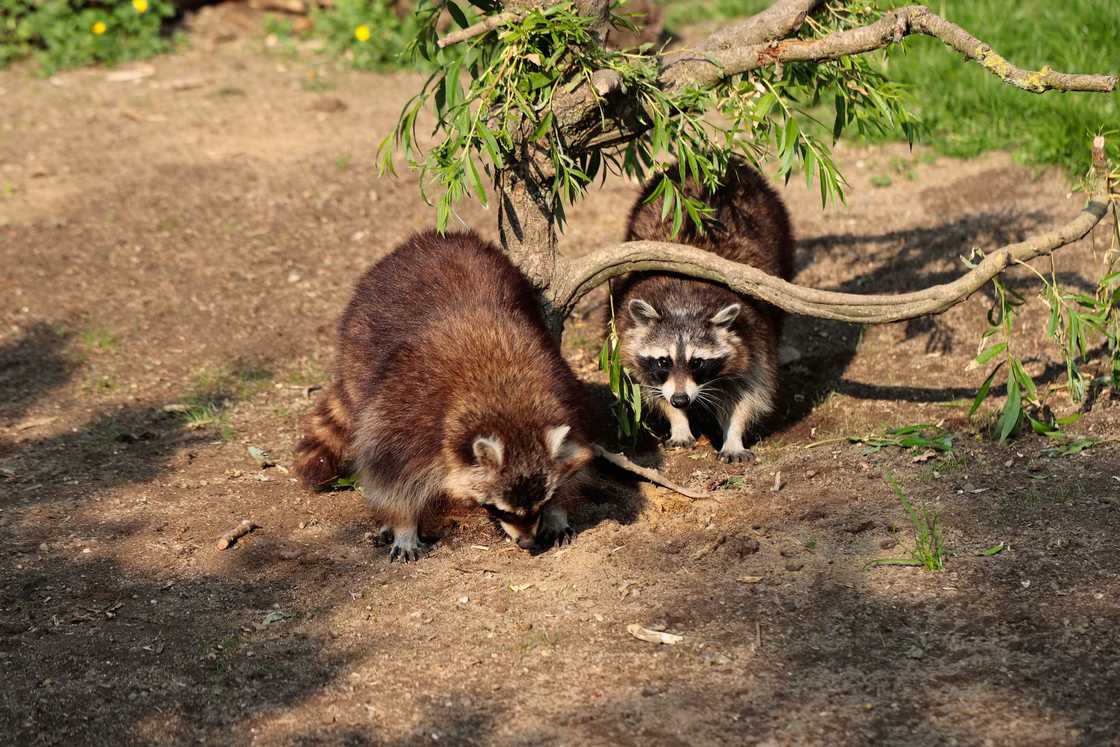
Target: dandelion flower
column 362, row 33
column 98, row 28
column 140, row 5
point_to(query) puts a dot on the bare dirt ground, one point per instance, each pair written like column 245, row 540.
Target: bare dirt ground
column 191, row 237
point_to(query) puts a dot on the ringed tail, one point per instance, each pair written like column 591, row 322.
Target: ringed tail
column 320, row 456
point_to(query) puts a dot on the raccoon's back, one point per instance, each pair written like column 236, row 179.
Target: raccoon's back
column 750, row 224
column 477, row 370
column 426, row 278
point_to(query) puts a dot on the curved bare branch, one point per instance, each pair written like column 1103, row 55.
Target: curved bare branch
column 779, row 20
column 592, row 270
column 708, row 68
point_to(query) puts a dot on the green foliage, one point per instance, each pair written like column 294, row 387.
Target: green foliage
column 929, row 546
column 918, row 437
column 368, row 33
column 1075, row 322
column 69, row 33
column 515, row 72
column 627, row 408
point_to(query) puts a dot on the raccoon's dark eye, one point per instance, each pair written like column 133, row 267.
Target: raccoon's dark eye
column 696, row 363
column 664, row 362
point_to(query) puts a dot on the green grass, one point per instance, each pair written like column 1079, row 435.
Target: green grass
column 965, row 109
column 211, row 390
column 99, row 338
column 929, row 546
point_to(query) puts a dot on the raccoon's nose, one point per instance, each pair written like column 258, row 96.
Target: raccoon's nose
column 679, row 400
column 525, row 542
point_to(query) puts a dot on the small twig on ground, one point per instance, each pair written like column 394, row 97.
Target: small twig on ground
column 757, row 636
column 622, row 462
column 709, row 548
column 229, row 539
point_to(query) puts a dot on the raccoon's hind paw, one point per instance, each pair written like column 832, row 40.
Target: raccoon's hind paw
column 384, row 537
column 681, row 443
column 736, row 456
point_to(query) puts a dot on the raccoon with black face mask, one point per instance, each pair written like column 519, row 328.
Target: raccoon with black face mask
column 692, row 342
column 449, row 386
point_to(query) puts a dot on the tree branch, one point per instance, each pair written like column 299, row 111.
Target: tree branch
column 592, row 270
column 779, row 20
column 485, row 25
column 690, row 68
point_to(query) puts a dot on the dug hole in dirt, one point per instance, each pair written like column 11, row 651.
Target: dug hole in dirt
column 176, row 251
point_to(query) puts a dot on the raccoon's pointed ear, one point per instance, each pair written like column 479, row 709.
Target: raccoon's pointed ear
column 642, row 312
column 726, row 315
column 488, row 452
column 563, row 449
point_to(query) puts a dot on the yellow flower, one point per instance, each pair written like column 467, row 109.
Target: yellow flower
column 98, row 28
column 140, row 5
column 362, row 33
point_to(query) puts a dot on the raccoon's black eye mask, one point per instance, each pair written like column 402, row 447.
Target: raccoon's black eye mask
column 509, row 517
column 656, row 368
column 705, row 368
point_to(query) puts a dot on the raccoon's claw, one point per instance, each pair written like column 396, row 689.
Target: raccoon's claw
column 681, row 443
column 554, row 530
column 736, row 456
column 407, row 553
column 383, row 537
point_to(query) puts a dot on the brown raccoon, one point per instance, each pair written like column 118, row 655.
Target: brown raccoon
column 691, row 341
column 450, row 386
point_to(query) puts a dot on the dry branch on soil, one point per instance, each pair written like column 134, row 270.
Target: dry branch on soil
column 648, row 473
column 229, row 539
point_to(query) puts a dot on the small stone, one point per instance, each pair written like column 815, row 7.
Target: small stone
column 794, row 565
column 329, row 104
column 888, row 543
column 740, row 547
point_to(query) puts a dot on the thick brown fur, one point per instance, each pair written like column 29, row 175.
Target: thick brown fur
column 749, row 225
column 445, row 369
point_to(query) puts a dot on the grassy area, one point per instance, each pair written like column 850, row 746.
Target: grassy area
column 965, row 108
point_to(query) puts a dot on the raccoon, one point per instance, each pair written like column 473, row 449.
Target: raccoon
column 694, row 342
column 449, row 387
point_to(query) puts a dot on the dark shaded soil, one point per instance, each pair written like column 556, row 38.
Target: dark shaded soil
column 190, row 239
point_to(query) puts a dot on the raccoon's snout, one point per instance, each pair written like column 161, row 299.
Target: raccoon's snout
column 526, row 541
column 679, row 400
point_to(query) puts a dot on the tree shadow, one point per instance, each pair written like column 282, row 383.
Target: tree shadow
column 31, row 367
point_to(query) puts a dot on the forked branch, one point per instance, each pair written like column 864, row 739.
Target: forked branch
column 596, row 268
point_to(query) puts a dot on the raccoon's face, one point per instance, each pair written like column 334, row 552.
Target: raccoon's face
column 679, row 351
column 515, row 482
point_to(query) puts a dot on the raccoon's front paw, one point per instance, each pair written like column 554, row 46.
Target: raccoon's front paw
column 554, row 531
column 403, row 552
column 736, row 456
column 406, row 545
column 681, row 443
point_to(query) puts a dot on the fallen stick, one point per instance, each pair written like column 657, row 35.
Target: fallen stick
column 620, row 461
column 229, row 539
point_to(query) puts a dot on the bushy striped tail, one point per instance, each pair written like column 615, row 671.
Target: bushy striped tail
column 320, row 456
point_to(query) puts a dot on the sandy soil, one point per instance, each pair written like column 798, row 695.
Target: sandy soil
column 196, row 233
